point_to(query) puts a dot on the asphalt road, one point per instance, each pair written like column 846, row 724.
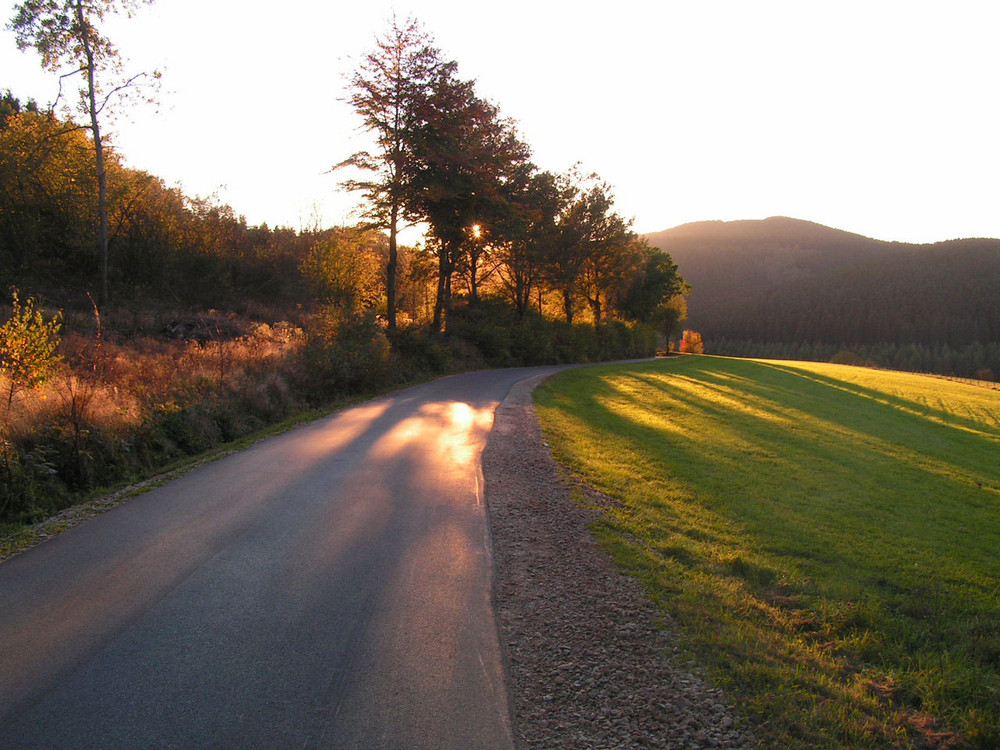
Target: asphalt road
column 327, row 588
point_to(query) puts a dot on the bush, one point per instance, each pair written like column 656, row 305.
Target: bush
column 487, row 327
column 347, row 353
column 120, row 411
column 691, row 343
column 533, row 342
column 420, row 353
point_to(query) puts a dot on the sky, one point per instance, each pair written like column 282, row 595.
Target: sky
column 880, row 117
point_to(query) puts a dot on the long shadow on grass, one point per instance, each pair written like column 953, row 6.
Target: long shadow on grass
column 868, row 507
column 916, row 408
column 961, row 445
column 830, row 496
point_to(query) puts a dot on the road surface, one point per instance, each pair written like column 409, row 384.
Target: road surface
column 327, row 588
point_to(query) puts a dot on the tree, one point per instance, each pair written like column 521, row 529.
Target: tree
column 530, row 230
column 610, row 257
column 691, row 343
column 11, row 105
column 389, row 92
column 343, row 269
column 28, row 359
column 594, row 250
column 466, row 157
column 648, row 295
column 64, row 33
column 28, row 347
column 46, row 182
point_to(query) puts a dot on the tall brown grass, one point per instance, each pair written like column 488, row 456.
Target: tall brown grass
column 118, row 409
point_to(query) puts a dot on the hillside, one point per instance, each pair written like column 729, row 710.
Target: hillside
column 791, row 281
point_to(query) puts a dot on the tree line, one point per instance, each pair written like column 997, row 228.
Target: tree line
column 795, row 289
column 442, row 156
column 200, row 328
column 445, row 157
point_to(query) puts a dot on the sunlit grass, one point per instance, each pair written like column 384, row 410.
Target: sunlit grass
column 827, row 537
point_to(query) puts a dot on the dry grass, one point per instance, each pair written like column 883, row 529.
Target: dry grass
column 117, row 410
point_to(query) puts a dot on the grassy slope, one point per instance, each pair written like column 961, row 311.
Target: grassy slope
column 826, row 536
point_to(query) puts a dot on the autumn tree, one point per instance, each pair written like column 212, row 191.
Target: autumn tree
column 343, row 269
column 28, row 345
column 389, row 91
column 531, row 229
column 46, row 183
column 467, row 155
column 692, row 343
column 65, row 35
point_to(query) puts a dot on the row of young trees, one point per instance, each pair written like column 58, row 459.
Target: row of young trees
column 445, row 157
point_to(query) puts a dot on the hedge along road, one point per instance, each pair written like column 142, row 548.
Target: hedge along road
column 329, row 587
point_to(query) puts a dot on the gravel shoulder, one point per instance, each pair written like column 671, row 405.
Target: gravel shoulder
column 591, row 662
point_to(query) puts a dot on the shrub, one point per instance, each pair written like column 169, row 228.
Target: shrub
column 28, row 347
column 28, row 359
column 691, row 343
column 420, row 353
column 487, row 327
column 533, row 342
column 347, row 353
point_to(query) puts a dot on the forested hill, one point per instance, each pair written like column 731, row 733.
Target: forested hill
column 791, row 281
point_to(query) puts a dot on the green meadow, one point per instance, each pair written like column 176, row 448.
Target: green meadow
column 826, row 538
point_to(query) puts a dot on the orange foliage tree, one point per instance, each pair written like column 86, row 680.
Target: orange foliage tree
column 691, row 343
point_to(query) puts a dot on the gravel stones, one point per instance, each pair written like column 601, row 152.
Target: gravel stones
column 591, row 663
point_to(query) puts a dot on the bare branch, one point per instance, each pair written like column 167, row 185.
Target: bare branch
column 81, row 69
column 128, row 84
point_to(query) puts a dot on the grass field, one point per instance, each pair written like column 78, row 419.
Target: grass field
column 826, row 537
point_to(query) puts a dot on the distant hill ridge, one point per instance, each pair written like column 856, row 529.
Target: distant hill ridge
column 789, row 280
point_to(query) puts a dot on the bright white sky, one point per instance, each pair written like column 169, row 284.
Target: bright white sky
column 880, row 117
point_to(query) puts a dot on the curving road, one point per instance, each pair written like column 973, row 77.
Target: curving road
column 327, row 588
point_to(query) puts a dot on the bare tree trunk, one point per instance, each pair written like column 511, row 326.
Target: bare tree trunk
column 102, row 178
column 595, row 307
column 390, row 269
column 447, row 260
column 568, row 305
column 442, row 291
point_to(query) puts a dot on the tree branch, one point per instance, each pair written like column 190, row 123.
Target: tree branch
column 127, row 84
column 65, row 75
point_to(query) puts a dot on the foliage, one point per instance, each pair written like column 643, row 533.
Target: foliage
column 28, row 345
column 28, row 359
column 447, row 157
column 691, row 343
column 46, row 215
column 389, row 92
column 343, row 269
column 825, row 536
column 219, row 328
column 796, row 285
column 65, row 34
column 346, row 352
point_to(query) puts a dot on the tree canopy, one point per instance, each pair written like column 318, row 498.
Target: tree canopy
column 66, row 36
column 447, row 157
